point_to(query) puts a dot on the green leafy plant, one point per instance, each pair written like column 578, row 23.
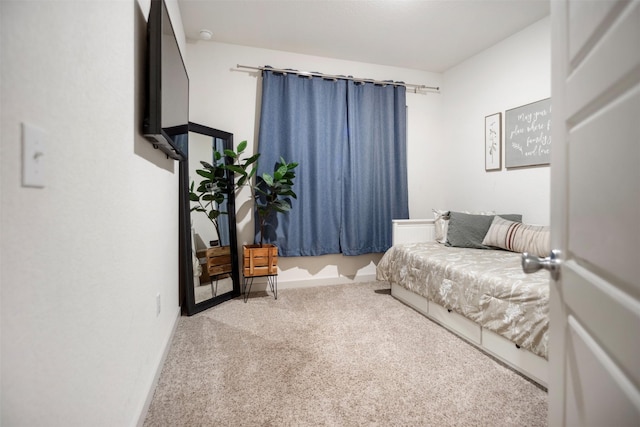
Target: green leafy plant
column 272, row 192
column 216, row 185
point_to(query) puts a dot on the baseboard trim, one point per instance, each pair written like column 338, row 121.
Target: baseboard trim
column 260, row 283
column 156, row 377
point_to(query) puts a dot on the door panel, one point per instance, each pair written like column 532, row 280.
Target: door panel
column 591, row 15
column 604, row 153
column 594, row 343
column 598, row 393
column 610, row 313
column 611, row 65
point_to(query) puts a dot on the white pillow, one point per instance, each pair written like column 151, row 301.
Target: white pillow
column 441, row 224
column 518, row 237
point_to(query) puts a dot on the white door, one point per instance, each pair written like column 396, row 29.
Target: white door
column 594, row 350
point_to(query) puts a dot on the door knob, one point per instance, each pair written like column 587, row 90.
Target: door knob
column 532, row 263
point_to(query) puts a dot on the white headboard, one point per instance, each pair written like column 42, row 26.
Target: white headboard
column 413, row 230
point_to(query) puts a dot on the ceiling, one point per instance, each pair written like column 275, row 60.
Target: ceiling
column 429, row 35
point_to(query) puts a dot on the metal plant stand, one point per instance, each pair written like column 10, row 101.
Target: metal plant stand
column 272, row 280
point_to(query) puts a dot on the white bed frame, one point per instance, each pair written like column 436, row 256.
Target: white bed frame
column 523, row 361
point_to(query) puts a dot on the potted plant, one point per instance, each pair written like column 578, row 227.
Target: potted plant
column 271, row 194
column 211, row 193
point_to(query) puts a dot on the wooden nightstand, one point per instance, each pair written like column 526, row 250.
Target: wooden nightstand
column 218, row 260
column 259, row 261
column 216, row 263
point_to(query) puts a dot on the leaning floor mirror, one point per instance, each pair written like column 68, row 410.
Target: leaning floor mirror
column 209, row 271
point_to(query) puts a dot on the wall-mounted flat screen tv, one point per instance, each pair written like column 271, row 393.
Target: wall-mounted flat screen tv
column 166, row 118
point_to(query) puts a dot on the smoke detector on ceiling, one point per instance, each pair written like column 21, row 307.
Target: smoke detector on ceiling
column 205, row 35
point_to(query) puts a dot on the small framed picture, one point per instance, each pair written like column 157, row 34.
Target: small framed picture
column 493, row 142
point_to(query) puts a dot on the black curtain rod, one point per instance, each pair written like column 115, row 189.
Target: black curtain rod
column 416, row 88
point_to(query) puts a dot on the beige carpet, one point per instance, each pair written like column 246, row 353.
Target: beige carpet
column 346, row 355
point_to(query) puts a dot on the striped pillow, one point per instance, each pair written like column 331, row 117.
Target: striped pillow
column 518, row 237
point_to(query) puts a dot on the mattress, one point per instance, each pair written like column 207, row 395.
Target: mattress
column 486, row 286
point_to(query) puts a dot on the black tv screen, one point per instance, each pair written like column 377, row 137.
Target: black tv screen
column 167, row 103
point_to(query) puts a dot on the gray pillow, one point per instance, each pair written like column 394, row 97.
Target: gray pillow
column 468, row 230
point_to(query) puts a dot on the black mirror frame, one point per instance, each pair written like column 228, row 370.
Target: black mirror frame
column 187, row 294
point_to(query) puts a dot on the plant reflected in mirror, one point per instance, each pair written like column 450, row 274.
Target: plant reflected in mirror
column 215, row 185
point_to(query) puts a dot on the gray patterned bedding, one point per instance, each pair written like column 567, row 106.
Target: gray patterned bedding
column 486, row 286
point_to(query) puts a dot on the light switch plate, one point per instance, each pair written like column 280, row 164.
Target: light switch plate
column 33, row 156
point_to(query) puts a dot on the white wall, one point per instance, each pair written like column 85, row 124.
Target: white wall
column 83, row 258
column 514, row 72
column 228, row 99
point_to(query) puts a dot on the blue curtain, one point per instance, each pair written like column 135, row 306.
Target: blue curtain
column 375, row 167
column 350, row 142
column 304, row 120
